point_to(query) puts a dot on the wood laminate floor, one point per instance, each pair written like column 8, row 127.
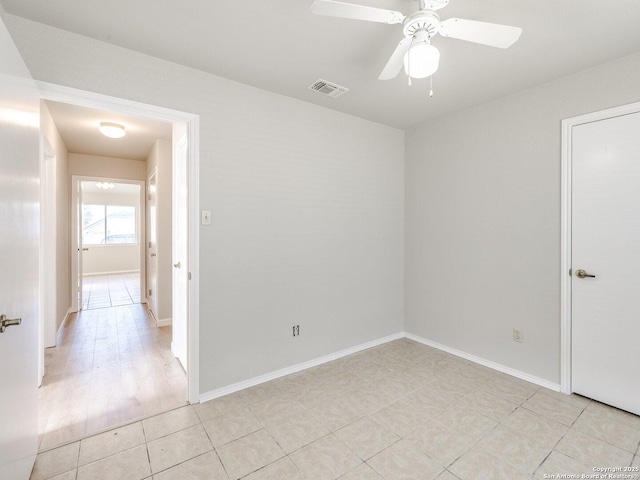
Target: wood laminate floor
column 110, row 290
column 111, row 366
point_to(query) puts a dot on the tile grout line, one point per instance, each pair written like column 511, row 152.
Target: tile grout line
column 601, row 439
column 146, row 446
column 553, row 449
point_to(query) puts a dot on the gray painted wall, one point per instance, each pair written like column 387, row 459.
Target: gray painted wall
column 307, row 207
column 483, row 219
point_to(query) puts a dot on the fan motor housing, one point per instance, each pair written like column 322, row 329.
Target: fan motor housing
column 435, row 4
column 422, row 20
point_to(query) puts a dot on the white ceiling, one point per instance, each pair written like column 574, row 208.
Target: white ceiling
column 280, row 46
column 78, row 127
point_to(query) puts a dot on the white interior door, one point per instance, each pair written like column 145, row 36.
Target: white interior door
column 605, row 243
column 76, row 259
column 152, row 244
column 19, row 262
column 180, row 250
column 76, row 244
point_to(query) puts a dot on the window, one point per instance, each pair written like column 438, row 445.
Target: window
column 108, row 224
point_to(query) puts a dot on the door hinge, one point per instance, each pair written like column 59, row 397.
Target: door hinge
column 150, row 292
column 189, row 275
column 570, row 270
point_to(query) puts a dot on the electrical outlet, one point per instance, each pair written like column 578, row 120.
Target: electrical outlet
column 517, row 335
column 296, row 330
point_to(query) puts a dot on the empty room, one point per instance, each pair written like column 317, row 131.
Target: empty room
column 397, row 228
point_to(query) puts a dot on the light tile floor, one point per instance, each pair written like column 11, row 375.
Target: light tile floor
column 110, row 290
column 111, row 366
column 398, row 411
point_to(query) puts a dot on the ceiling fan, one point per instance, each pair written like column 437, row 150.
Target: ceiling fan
column 415, row 51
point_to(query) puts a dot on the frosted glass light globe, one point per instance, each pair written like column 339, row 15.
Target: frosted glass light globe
column 111, row 130
column 421, row 60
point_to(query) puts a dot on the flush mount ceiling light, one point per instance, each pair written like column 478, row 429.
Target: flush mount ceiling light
column 112, row 130
column 105, row 185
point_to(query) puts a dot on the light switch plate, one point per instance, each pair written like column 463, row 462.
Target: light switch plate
column 205, row 217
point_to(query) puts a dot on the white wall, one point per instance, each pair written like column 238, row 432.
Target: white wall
column 112, row 197
column 108, row 167
column 103, row 259
column 483, row 219
column 63, row 248
column 307, row 207
column 160, row 160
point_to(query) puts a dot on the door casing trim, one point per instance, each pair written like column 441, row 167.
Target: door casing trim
column 565, row 219
column 74, row 96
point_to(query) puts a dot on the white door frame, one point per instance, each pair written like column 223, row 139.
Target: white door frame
column 147, row 227
column 75, row 231
column 179, row 277
column 565, row 256
column 58, row 93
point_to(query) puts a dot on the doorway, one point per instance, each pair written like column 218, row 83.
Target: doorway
column 110, row 253
column 129, row 313
column 601, row 230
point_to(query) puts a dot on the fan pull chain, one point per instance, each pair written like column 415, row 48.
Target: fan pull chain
column 431, row 86
column 413, row 39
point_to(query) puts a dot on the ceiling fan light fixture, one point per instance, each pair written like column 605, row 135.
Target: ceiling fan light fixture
column 421, row 60
column 112, row 130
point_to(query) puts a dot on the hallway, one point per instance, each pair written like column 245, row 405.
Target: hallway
column 111, row 366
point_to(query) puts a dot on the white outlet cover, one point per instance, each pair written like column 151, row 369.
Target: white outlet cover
column 205, row 217
column 517, row 335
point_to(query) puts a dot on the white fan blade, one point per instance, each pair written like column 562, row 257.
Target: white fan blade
column 396, row 62
column 492, row 34
column 355, row 12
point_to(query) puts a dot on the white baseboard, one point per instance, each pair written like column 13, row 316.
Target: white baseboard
column 487, row 363
column 349, row 351
column 109, row 273
column 64, row 321
column 295, row 368
column 165, row 322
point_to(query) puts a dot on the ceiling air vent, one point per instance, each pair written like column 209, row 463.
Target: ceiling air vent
column 327, row 88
